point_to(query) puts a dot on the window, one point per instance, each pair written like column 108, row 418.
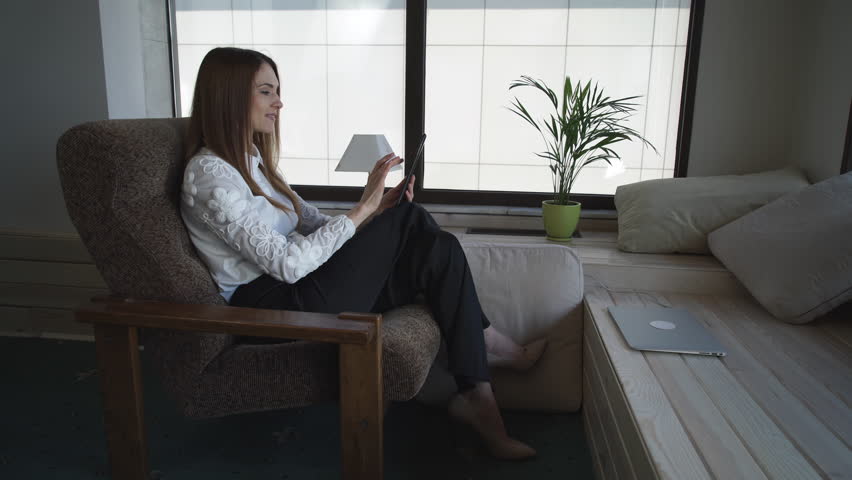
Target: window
column 344, row 64
column 342, row 69
column 475, row 48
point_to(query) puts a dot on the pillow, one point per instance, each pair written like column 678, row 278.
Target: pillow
column 676, row 214
column 795, row 254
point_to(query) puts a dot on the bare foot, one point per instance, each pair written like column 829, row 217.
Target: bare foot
column 478, row 408
column 503, row 352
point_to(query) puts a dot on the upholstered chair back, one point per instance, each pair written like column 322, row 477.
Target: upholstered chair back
column 121, row 180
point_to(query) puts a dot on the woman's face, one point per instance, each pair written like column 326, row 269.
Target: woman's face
column 265, row 103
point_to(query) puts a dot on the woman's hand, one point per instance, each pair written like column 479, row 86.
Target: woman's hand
column 389, row 199
column 374, row 190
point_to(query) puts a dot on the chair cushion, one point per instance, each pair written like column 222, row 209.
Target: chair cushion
column 256, row 377
column 527, row 291
column 676, row 214
column 410, row 343
column 795, row 254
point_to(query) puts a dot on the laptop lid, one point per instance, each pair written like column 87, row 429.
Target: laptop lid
column 662, row 329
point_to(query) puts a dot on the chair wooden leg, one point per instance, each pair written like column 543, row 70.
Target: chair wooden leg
column 121, row 386
column 361, row 410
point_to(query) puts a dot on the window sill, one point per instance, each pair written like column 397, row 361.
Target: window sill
column 506, row 217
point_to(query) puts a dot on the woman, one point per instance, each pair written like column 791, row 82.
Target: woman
column 267, row 248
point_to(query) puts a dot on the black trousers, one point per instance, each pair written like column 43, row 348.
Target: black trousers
column 398, row 255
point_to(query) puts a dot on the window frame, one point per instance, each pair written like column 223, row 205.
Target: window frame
column 415, row 121
column 171, row 33
column 846, row 161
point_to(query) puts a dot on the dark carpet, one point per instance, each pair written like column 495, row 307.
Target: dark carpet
column 51, row 428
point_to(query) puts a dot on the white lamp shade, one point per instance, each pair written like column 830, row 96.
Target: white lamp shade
column 363, row 152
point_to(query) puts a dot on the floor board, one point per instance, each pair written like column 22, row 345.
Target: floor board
column 763, row 411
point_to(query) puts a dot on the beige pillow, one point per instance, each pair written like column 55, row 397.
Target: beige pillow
column 528, row 292
column 676, row 214
column 795, row 254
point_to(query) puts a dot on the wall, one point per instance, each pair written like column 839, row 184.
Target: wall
column 122, row 47
column 53, row 79
column 156, row 60
column 64, row 63
column 74, row 62
column 825, row 88
column 774, row 84
column 742, row 101
column 136, row 58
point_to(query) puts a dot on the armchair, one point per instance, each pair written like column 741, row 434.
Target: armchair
column 121, row 180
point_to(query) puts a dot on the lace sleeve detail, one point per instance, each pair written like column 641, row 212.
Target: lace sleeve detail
column 312, row 218
column 227, row 207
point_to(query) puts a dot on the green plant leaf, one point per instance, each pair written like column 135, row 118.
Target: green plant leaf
column 582, row 130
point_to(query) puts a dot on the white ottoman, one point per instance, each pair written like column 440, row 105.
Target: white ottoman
column 527, row 291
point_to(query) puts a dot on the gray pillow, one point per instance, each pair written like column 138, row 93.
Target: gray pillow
column 676, row 214
column 795, row 254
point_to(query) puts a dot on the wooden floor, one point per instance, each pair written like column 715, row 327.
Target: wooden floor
column 777, row 407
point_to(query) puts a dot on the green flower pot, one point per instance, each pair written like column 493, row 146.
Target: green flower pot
column 560, row 221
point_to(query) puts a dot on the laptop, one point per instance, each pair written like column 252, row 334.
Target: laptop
column 661, row 329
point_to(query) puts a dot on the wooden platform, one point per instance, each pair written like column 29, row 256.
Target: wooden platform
column 604, row 263
column 777, row 407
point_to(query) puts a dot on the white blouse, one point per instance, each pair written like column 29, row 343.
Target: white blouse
column 241, row 236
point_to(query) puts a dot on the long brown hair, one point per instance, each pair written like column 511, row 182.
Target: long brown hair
column 221, row 118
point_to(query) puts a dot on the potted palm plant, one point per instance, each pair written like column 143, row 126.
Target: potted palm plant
column 583, row 130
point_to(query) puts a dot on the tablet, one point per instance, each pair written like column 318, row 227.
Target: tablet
column 413, row 167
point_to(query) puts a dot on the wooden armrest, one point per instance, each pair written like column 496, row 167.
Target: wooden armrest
column 116, row 339
column 321, row 327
